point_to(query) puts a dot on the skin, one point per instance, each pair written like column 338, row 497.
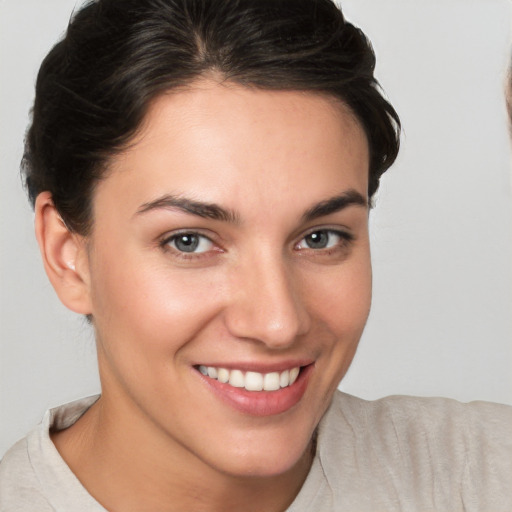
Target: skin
column 257, row 294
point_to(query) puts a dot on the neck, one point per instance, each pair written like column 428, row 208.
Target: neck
column 133, row 469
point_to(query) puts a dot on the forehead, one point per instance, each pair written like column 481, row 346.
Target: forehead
column 225, row 142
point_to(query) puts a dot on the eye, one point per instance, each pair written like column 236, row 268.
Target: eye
column 323, row 239
column 189, row 243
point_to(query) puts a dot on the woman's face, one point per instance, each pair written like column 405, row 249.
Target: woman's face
column 231, row 239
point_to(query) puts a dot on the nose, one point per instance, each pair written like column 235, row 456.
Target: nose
column 267, row 304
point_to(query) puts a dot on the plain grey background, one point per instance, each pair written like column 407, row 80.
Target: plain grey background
column 441, row 322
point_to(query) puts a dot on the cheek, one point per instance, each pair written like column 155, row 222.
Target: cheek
column 150, row 307
column 341, row 304
column 341, row 298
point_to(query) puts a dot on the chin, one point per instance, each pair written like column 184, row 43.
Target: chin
column 264, row 458
column 268, row 467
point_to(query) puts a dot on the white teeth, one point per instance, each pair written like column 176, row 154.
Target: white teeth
column 252, row 381
column 294, row 373
column 271, row 381
column 284, row 379
column 223, row 375
column 236, row 379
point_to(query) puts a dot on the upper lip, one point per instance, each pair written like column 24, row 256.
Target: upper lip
column 259, row 367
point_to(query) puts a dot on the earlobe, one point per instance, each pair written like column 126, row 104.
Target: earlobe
column 64, row 256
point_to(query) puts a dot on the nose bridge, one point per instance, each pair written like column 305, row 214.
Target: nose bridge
column 267, row 306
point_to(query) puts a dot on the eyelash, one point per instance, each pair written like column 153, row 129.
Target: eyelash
column 165, row 245
column 345, row 240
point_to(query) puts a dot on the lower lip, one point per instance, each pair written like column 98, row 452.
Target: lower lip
column 261, row 403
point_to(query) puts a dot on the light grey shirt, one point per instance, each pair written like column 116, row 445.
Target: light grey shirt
column 394, row 454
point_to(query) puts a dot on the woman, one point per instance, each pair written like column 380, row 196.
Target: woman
column 202, row 173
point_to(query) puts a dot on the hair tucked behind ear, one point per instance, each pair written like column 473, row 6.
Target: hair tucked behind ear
column 95, row 86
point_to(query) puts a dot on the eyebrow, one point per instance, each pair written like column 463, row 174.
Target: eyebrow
column 199, row 208
column 335, row 204
column 213, row 211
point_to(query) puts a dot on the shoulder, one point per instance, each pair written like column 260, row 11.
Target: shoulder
column 413, row 413
column 416, row 423
column 34, row 477
column 420, row 449
column 20, row 489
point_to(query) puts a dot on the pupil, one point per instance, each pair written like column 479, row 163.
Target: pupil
column 187, row 243
column 317, row 240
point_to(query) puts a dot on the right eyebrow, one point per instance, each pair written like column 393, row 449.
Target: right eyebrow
column 335, row 204
column 191, row 206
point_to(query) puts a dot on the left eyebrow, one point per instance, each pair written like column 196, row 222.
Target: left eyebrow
column 190, row 206
column 335, row 204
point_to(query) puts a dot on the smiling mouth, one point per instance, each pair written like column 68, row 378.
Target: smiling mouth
column 252, row 381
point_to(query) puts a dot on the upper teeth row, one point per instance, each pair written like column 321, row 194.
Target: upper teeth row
column 252, row 381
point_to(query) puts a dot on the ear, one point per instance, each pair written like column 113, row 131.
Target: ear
column 64, row 255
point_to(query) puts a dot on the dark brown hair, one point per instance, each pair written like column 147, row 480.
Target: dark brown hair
column 95, row 86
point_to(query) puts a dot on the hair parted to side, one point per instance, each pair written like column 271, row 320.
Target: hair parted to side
column 95, row 86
